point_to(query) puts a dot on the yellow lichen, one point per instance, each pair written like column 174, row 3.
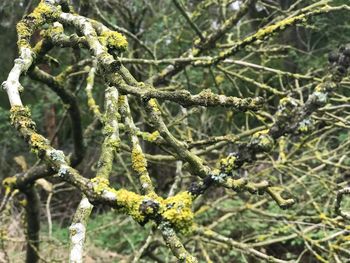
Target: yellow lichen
column 38, row 143
column 320, row 87
column 197, row 41
column 177, row 210
column 24, row 33
column 227, row 164
column 100, row 184
column 151, row 137
column 262, row 33
column 146, row 181
column 282, row 147
column 263, row 139
column 8, row 183
column 121, row 100
column 114, row 143
column 113, row 39
column 236, row 183
column 154, row 105
column 219, row 79
column 303, row 128
column 93, row 106
column 20, row 118
column 23, row 202
column 139, row 163
column 130, row 202
column 39, row 16
column 44, row 11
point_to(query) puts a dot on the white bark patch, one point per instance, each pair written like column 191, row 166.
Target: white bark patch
column 77, row 231
column 88, row 31
column 109, row 195
column 222, row 99
column 12, row 85
column 235, row 5
column 85, row 204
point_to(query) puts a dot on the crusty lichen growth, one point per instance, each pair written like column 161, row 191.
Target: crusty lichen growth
column 177, row 210
column 26, row 27
column 24, row 33
column 100, row 184
column 21, row 117
column 91, row 101
column 45, row 11
column 304, row 126
column 264, row 32
column 38, row 143
column 228, row 164
column 263, row 140
column 154, row 105
column 113, row 40
column 130, row 203
column 151, row 137
column 139, row 163
column 9, row 183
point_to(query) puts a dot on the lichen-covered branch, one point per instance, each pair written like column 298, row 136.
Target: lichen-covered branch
column 196, row 155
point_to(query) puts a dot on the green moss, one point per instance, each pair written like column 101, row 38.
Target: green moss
column 113, row 40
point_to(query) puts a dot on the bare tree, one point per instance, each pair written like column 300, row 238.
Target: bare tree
column 147, row 116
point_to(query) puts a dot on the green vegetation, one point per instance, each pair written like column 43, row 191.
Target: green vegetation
column 163, row 131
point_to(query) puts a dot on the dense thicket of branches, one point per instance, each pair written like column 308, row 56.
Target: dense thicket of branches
column 210, row 131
